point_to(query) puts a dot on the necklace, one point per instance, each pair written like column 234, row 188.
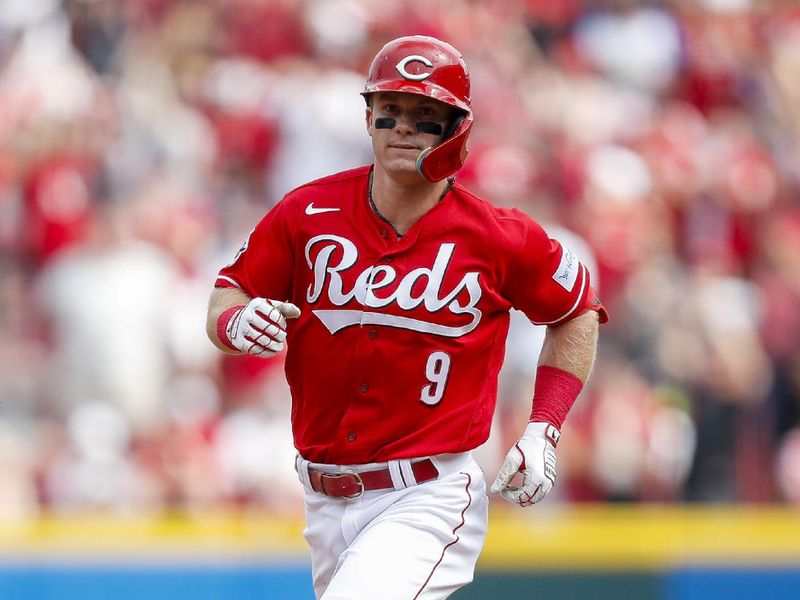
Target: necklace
column 450, row 182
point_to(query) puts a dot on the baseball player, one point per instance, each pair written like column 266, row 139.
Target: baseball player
column 390, row 286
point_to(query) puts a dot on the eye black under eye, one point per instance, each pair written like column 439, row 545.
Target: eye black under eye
column 428, row 127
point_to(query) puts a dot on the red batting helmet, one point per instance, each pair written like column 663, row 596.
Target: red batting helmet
column 429, row 67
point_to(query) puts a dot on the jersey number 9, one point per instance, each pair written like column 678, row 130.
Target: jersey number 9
column 437, row 370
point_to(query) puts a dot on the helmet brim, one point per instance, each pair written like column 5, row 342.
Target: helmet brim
column 420, row 88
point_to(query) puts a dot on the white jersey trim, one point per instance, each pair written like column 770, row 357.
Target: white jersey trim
column 574, row 306
column 229, row 280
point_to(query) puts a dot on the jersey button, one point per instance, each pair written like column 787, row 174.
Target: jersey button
column 373, row 333
column 384, row 233
column 389, row 258
column 363, row 388
column 352, row 436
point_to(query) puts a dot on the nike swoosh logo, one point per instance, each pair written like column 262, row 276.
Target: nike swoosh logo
column 310, row 210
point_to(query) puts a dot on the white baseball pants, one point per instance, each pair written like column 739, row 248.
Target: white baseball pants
column 409, row 543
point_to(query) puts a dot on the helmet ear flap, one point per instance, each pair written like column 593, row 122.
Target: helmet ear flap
column 447, row 157
column 452, row 127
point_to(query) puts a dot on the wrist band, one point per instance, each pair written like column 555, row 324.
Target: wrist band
column 554, row 393
column 222, row 325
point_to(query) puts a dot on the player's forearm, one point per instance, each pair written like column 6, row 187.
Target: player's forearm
column 572, row 347
column 221, row 300
column 564, row 366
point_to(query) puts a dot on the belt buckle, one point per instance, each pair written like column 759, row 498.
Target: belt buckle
column 357, row 494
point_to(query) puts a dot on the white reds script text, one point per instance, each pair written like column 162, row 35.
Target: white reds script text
column 377, row 287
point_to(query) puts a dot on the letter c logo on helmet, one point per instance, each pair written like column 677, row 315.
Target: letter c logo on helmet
column 441, row 74
column 401, row 67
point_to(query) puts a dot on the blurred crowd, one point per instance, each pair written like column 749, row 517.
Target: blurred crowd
column 140, row 141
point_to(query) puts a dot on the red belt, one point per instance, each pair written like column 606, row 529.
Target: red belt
column 351, row 484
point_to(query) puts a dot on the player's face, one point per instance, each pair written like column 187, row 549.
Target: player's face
column 396, row 149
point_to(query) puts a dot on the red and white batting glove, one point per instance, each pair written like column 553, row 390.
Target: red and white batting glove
column 534, row 456
column 258, row 328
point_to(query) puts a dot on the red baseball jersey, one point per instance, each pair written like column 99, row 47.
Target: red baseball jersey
column 400, row 340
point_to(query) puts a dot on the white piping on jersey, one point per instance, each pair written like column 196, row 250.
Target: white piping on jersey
column 229, row 280
column 336, row 320
column 574, row 306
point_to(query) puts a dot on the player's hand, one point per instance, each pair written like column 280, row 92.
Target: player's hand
column 260, row 327
column 534, row 456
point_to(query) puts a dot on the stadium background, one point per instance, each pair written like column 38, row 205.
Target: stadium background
column 139, row 142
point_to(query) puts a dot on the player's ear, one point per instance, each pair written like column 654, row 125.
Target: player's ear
column 368, row 115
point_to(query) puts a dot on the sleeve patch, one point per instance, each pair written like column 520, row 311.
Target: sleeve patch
column 241, row 250
column 567, row 272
